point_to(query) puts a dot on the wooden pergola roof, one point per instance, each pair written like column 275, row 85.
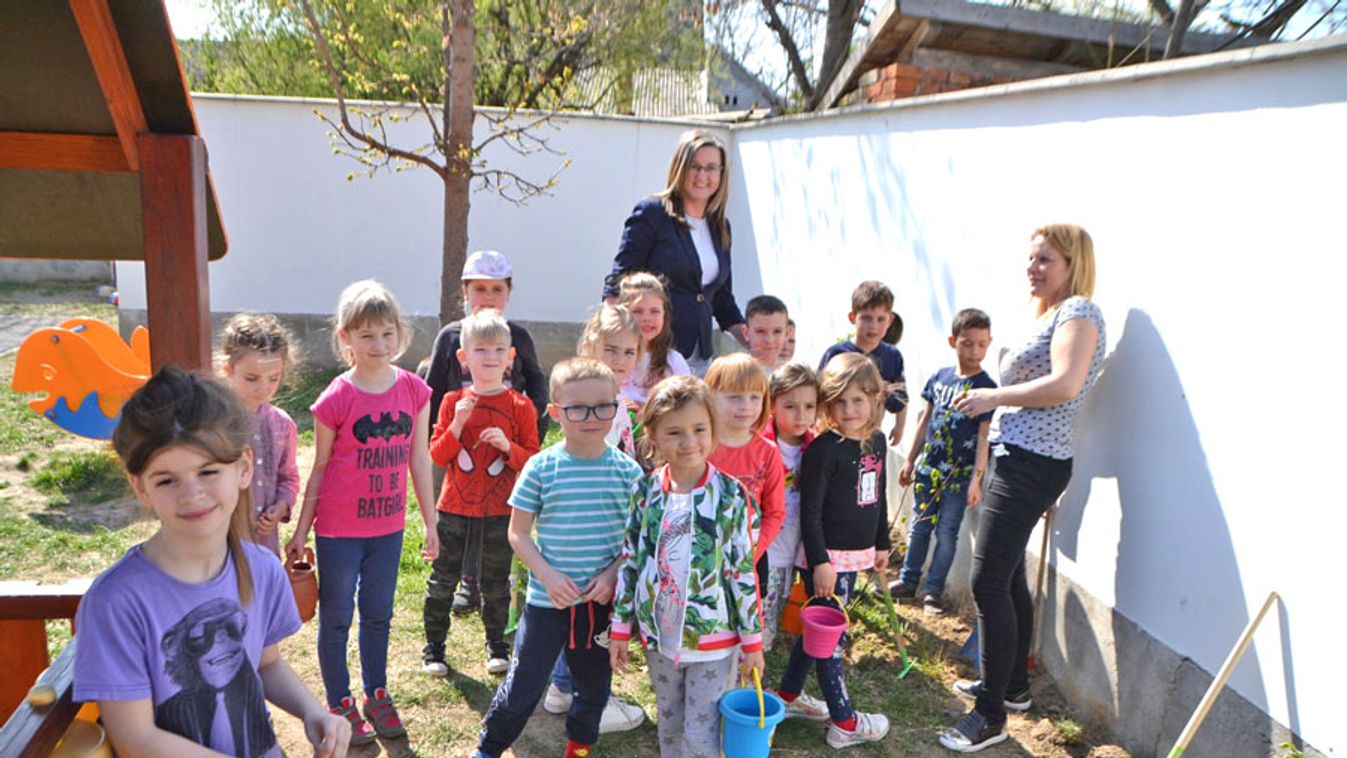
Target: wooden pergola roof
column 80, row 82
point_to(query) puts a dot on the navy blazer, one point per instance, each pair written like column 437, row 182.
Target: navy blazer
column 653, row 241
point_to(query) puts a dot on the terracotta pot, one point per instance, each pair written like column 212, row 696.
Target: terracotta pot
column 304, row 582
column 790, row 615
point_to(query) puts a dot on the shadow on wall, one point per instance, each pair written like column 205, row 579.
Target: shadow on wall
column 1177, row 578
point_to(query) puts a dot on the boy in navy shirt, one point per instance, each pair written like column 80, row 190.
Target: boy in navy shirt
column 948, row 467
column 872, row 313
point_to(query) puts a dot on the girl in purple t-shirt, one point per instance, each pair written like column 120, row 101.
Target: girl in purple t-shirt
column 179, row 641
column 256, row 352
column 370, row 426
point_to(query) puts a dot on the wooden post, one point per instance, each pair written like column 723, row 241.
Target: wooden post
column 173, row 213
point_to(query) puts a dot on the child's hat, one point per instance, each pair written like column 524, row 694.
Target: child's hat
column 487, row 264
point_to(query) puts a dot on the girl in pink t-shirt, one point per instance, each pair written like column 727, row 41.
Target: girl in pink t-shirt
column 370, row 428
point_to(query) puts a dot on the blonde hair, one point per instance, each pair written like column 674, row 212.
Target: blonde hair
column 739, row 372
column 486, row 325
column 630, row 290
column 680, row 164
column 669, row 395
column 578, row 369
column 367, row 302
column 1077, row 247
column 260, row 333
column 175, row 408
column 607, row 321
column 841, row 372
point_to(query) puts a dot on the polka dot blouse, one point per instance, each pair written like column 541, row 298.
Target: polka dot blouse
column 1046, row 431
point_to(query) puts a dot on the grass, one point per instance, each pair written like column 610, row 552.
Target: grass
column 300, row 388
column 1069, row 731
column 94, row 476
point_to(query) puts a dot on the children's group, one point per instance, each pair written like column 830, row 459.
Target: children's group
column 676, row 511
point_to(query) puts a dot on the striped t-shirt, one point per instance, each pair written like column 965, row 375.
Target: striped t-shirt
column 580, row 506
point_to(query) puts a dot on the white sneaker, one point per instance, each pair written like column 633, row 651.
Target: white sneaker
column 620, row 716
column 806, row 707
column 435, row 668
column 557, row 702
column 870, row 727
column 497, row 666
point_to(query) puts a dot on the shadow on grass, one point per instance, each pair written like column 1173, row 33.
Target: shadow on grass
column 89, row 518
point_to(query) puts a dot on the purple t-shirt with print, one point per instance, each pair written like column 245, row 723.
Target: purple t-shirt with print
column 191, row 649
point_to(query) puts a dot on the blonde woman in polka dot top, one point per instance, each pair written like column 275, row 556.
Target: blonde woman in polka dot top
column 1044, row 381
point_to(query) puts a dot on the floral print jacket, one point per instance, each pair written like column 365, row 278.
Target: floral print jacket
column 721, row 596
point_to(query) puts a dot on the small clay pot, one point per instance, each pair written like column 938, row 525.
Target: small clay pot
column 304, row 582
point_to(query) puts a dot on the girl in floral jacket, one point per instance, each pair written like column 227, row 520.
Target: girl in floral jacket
column 686, row 581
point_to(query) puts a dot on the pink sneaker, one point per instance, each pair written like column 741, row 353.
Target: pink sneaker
column 360, row 731
column 383, row 715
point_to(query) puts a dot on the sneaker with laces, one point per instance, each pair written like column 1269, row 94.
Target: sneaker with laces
column 435, row 667
column 381, row 713
column 870, row 727
column 557, row 702
column 1015, row 701
column 496, row 665
column 973, row 733
column 900, row 591
column 620, row 716
column 361, row 734
column 807, row 707
column 931, row 605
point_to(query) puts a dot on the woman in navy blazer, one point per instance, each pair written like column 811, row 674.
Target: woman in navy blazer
column 660, row 237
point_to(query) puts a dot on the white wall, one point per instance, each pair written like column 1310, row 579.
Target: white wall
column 299, row 231
column 1214, row 198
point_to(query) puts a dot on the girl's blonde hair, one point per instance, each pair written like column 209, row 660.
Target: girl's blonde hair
column 630, row 290
column 176, row 408
column 680, row 164
column 605, row 322
column 739, row 372
column 673, row 394
column 1076, row 245
column 841, row 372
column 255, row 333
column 367, row 302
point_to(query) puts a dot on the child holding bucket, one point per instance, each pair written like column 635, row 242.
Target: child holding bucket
column 845, row 530
column 687, row 582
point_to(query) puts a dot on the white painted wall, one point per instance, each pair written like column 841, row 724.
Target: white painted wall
column 1214, row 197
column 299, row 231
column 1214, row 200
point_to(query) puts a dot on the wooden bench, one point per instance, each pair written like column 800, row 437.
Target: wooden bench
column 25, row 608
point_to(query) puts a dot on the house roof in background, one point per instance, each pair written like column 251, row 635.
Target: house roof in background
column 78, row 81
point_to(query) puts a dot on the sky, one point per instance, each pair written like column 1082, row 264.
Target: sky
column 189, row 18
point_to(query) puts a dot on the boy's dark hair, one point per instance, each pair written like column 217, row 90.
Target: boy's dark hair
column 970, row 318
column 894, row 334
column 765, row 305
column 871, row 294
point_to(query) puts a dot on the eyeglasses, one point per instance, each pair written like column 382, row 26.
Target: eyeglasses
column 710, row 168
column 202, row 636
column 578, row 413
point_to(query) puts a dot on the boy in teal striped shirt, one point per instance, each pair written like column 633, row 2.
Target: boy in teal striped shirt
column 576, row 494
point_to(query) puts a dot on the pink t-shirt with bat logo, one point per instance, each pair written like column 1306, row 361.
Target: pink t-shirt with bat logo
column 364, row 488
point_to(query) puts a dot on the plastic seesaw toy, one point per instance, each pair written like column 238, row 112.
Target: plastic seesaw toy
column 86, row 372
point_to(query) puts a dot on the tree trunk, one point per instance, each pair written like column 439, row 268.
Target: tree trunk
column 1183, row 18
column 459, row 41
column 842, row 18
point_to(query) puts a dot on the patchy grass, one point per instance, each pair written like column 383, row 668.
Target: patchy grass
column 300, row 388
column 90, row 475
column 32, row 549
column 1069, row 731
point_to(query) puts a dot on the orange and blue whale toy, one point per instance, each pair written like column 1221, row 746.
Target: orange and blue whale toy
column 86, row 372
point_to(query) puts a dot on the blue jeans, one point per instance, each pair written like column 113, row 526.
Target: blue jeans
column 561, row 673
column 829, row 670
column 543, row 634
column 355, row 571
column 941, row 513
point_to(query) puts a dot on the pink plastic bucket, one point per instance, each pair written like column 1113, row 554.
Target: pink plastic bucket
column 823, row 628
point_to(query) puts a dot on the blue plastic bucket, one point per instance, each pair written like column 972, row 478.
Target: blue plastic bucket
column 740, row 735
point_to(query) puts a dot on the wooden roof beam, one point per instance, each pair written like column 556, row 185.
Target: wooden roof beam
column 101, row 40
column 37, row 151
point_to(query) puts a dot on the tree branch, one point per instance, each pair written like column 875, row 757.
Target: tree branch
column 793, row 59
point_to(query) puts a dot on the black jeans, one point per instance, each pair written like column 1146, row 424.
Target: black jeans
column 455, row 534
column 1023, row 487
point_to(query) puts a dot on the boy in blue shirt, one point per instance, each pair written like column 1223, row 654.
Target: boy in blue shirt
column 872, row 313
column 577, row 495
column 947, row 459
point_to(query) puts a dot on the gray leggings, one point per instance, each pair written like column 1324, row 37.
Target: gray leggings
column 687, row 696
